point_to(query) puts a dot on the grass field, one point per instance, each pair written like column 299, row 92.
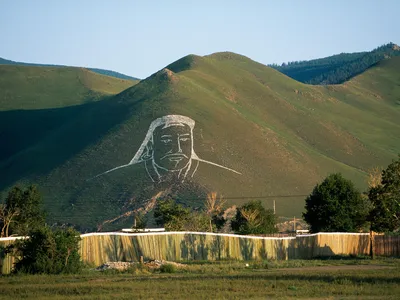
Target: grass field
column 317, row 279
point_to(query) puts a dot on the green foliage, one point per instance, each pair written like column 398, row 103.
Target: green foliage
column 175, row 217
column 171, row 215
column 337, row 68
column 335, row 205
column 197, row 221
column 48, row 251
column 22, row 211
column 167, row 268
column 385, row 215
column 253, row 218
column 140, row 221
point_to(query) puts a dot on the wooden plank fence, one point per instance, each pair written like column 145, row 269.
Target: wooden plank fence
column 387, row 245
column 98, row 248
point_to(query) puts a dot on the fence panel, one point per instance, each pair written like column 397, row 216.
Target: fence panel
column 98, row 248
column 387, row 245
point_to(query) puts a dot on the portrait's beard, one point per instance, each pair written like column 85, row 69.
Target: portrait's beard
column 173, row 161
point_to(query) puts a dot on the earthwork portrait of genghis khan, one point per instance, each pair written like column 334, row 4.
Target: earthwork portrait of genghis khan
column 167, row 151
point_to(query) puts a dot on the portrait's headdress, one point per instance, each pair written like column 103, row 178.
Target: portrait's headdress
column 143, row 152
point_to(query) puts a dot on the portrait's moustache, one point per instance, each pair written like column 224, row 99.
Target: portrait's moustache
column 172, row 155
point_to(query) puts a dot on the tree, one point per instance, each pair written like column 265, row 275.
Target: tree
column 253, row 218
column 140, row 221
column 48, row 251
column 197, row 221
column 175, row 217
column 385, row 198
column 214, row 208
column 336, row 205
column 21, row 211
column 171, row 215
column 7, row 216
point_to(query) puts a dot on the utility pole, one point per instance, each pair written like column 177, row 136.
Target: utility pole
column 134, row 222
column 274, row 208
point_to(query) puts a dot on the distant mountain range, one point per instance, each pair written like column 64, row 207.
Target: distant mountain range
column 337, row 68
column 99, row 71
column 102, row 148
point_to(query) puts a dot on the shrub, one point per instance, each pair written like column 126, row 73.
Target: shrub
column 167, row 268
column 48, row 251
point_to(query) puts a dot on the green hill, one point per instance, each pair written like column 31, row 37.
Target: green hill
column 281, row 135
column 337, row 68
column 96, row 70
column 27, row 87
column 29, row 100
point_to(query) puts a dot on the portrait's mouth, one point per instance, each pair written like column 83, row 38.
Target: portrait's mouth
column 174, row 157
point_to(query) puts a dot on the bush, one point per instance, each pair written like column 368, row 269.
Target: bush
column 167, row 268
column 253, row 218
column 48, row 252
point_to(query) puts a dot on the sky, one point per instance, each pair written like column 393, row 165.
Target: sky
column 138, row 38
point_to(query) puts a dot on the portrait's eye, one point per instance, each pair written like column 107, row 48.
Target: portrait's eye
column 166, row 141
column 184, row 139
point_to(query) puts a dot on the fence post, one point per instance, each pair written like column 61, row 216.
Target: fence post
column 372, row 244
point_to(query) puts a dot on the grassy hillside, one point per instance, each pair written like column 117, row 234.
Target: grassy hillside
column 96, row 70
column 337, row 68
column 24, row 87
column 281, row 135
column 29, row 100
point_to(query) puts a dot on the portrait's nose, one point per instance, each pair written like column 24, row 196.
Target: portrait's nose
column 177, row 146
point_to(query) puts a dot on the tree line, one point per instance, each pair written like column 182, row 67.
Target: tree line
column 250, row 218
column 336, row 69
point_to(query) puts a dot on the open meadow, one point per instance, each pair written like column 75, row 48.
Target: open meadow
column 341, row 278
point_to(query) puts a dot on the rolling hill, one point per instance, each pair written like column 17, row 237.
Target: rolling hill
column 247, row 131
column 4, row 61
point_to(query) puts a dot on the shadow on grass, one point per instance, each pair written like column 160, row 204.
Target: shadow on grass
column 340, row 279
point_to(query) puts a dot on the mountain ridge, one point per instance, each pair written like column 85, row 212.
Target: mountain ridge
column 105, row 72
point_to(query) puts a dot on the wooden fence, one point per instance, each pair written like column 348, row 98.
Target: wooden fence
column 98, row 248
column 387, row 245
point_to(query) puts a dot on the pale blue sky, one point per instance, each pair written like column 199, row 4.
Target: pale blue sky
column 140, row 37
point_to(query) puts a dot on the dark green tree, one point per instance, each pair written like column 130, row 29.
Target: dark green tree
column 385, row 198
column 171, row 215
column 253, row 218
column 140, row 221
column 176, row 217
column 336, row 205
column 21, row 211
column 48, row 251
